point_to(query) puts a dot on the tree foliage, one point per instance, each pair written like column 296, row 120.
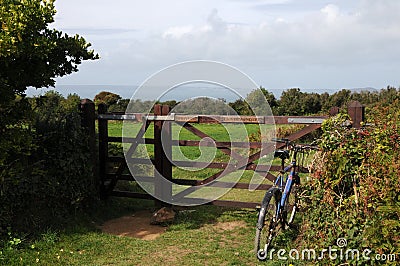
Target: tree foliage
column 292, row 102
column 261, row 101
column 241, row 107
column 107, row 97
column 203, row 105
column 32, row 54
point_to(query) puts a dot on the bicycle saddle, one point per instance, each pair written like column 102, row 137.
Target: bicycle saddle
column 282, row 154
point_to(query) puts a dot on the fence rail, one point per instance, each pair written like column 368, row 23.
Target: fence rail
column 215, row 119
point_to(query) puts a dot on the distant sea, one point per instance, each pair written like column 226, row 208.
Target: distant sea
column 180, row 93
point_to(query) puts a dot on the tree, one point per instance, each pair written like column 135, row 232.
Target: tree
column 120, row 106
column 389, row 95
column 311, row 103
column 290, row 102
column 324, row 99
column 241, row 107
column 107, row 97
column 204, row 106
column 32, row 54
column 339, row 99
column 71, row 102
column 270, row 97
column 259, row 99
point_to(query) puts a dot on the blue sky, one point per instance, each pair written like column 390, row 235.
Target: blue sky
column 314, row 45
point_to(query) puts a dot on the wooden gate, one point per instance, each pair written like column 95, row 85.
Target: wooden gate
column 113, row 169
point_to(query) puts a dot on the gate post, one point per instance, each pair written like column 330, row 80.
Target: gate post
column 88, row 117
column 166, row 138
column 334, row 111
column 356, row 112
column 162, row 156
column 103, row 149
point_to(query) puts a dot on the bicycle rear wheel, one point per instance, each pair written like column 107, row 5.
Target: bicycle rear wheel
column 267, row 222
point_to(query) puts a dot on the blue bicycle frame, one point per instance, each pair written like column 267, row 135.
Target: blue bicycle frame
column 288, row 183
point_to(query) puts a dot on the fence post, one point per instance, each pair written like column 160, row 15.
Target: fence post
column 162, row 153
column 88, row 117
column 334, row 111
column 356, row 112
column 166, row 137
column 103, row 149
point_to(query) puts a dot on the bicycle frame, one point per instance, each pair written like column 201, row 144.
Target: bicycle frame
column 288, row 183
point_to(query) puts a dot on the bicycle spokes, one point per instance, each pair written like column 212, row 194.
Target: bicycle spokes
column 268, row 221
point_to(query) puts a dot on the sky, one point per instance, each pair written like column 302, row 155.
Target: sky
column 314, row 45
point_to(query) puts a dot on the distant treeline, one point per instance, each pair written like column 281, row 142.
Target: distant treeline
column 291, row 102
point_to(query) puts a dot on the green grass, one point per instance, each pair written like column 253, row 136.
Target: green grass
column 215, row 130
column 227, row 132
column 197, row 237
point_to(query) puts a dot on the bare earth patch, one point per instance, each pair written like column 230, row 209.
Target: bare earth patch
column 229, row 226
column 136, row 225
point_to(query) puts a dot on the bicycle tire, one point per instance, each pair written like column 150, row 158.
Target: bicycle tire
column 264, row 232
column 291, row 206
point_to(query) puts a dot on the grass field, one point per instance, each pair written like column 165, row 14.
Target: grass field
column 206, row 235
column 227, row 132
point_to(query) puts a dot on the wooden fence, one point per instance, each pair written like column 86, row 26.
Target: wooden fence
column 107, row 177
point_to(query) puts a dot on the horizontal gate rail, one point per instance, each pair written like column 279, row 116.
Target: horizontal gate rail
column 210, row 119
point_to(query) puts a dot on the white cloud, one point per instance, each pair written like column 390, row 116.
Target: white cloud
column 328, row 37
column 216, row 23
column 331, row 12
column 177, row 32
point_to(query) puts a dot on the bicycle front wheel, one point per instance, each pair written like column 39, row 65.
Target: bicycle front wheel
column 267, row 222
column 291, row 206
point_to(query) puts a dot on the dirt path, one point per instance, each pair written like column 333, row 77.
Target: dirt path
column 138, row 225
column 135, row 225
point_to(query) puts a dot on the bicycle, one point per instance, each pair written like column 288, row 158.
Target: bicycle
column 280, row 202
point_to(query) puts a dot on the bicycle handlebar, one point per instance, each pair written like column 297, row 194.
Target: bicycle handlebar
column 308, row 147
column 299, row 147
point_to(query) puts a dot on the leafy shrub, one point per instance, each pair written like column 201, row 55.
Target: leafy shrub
column 48, row 177
column 355, row 190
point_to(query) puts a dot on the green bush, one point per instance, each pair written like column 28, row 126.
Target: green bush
column 46, row 175
column 355, row 189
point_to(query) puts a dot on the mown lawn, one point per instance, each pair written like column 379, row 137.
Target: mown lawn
column 226, row 132
column 206, row 235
